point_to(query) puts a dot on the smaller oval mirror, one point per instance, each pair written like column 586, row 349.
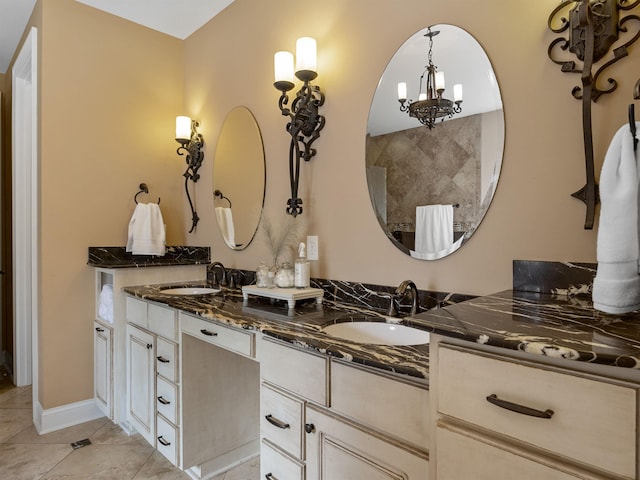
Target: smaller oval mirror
column 431, row 183
column 239, row 178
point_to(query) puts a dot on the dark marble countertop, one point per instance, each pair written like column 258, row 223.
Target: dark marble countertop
column 558, row 326
column 301, row 328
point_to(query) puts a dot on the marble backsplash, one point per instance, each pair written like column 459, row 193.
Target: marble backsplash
column 118, row 257
column 556, row 278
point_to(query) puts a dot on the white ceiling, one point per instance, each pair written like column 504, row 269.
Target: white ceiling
column 178, row 18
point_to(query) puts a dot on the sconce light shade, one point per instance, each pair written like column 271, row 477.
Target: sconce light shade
column 191, row 143
column 183, row 128
column 305, row 122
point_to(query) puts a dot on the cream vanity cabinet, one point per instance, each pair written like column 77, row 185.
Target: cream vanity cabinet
column 503, row 417
column 102, row 364
column 324, row 419
column 153, row 375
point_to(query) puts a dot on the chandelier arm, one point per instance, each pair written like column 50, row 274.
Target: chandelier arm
column 564, row 22
column 194, row 214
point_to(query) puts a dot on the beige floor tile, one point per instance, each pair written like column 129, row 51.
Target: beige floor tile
column 247, row 471
column 159, row 468
column 101, row 462
column 12, row 422
column 112, row 434
column 16, row 398
column 66, row 435
column 30, row 462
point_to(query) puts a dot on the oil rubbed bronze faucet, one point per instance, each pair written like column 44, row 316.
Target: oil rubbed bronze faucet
column 400, row 292
column 211, row 269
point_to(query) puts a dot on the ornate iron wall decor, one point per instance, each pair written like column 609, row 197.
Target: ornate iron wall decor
column 192, row 148
column 593, row 27
column 304, row 126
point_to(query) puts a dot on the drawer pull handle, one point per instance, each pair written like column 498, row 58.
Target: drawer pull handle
column 514, row 407
column 163, row 400
column 161, row 359
column 277, row 423
column 208, row 333
column 98, row 329
column 309, row 427
column 163, row 441
column 269, row 476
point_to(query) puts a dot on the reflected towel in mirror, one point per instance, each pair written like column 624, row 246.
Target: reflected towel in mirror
column 146, row 231
column 434, row 228
column 225, row 222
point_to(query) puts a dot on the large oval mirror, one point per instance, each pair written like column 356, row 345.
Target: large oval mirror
column 239, row 178
column 433, row 166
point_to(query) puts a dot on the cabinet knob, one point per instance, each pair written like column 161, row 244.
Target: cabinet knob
column 309, row 427
column 149, row 346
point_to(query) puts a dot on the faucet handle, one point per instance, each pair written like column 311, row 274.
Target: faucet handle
column 393, row 304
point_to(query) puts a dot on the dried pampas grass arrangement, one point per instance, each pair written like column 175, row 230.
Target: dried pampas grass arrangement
column 282, row 238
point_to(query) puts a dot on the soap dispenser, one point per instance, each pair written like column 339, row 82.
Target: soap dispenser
column 302, row 277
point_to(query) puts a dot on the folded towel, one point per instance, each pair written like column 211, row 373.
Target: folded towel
column 616, row 287
column 434, row 228
column 225, row 222
column 105, row 308
column 146, row 231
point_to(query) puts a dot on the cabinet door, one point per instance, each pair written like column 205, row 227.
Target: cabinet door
column 140, row 382
column 337, row 448
column 102, row 358
column 460, row 456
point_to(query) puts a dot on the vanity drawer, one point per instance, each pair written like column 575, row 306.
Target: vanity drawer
column 168, row 437
column 593, row 421
column 297, row 371
column 229, row 338
column 136, row 312
column 167, row 359
column 366, row 396
column 275, row 465
column 167, row 400
column 281, row 420
column 163, row 321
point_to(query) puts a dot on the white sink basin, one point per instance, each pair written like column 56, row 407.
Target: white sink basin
column 190, row 291
column 377, row 333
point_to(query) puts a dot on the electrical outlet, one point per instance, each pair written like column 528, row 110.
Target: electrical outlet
column 312, row 247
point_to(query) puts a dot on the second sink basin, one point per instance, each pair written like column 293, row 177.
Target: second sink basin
column 190, row 291
column 377, row 333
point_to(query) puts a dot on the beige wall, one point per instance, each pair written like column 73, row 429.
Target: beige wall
column 229, row 62
column 110, row 91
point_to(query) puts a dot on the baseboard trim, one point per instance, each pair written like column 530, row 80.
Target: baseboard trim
column 52, row 419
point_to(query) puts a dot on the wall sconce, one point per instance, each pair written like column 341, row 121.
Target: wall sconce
column 191, row 144
column 305, row 122
column 594, row 26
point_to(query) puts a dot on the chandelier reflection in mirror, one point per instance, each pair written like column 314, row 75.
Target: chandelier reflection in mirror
column 191, row 143
column 305, row 123
column 431, row 105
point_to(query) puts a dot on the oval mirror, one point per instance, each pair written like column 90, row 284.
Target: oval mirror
column 431, row 185
column 239, row 178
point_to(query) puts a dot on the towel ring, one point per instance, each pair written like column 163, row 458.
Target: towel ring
column 218, row 194
column 143, row 189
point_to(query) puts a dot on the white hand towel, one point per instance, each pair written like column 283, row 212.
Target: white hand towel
column 146, row 231
column 105, row 309
column 434, row 228
column 225, row 222
column 616, row 287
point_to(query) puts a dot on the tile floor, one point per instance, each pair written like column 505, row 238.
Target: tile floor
column 112, row 455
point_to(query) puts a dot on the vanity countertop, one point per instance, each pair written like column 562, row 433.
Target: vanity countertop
column 565, row 327
column 559, row 326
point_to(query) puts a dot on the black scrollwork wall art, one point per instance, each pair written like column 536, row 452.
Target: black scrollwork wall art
column 191, row 143
column 305, row 123
column 594, row 27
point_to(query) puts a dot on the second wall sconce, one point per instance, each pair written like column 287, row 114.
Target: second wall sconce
column 191, row 143
column 305, row 123
column 593, row 28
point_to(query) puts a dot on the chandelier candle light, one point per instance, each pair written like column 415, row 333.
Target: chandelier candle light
column 191, row 143
column 431, row 105
column 305, row 123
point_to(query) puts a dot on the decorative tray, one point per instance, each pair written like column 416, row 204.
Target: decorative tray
column 288, row 294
